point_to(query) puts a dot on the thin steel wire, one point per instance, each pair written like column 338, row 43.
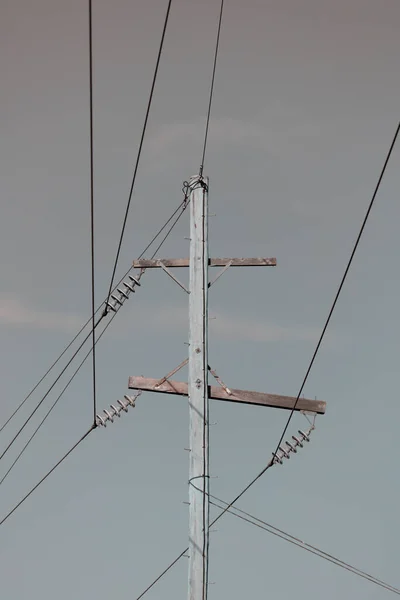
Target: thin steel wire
column 181, row 206
column 162, row 574
column 314, row 356
column 270, row 463
column 55, row 402
column 203, row 157
column 20, row 430
column 140, row 147
column 8, row 515
column 301, row 544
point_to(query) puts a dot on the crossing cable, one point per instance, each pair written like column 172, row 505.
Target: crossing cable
column 140, row 148
column 274, row 457
column 8, row 515
column 55, row 402
column 211, row 89
column 182, row 206
column 271, row 462
column 20, row 430
column 44, row 376
column 92, row 209
column 177, row 214
column 248, row 518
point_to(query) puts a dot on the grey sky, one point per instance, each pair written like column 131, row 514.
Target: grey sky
column 306, row 104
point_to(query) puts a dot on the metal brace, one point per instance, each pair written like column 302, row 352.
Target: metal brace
column 226, row 267
column 168, row 272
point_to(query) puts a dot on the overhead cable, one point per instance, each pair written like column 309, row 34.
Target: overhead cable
column 203, row 157
column 140, row 147
column 275, row 454
column 181, row 208
column 8, row 515
column 339, row 290
column 248, row 518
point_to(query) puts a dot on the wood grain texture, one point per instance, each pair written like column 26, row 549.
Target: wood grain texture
column 241, row 396
column 147, row 263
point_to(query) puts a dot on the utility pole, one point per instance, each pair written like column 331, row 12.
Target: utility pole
column 198, row 394
column 197, row 389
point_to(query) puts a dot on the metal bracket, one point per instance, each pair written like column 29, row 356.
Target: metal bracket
column 219, row 380
column 168, row 272
column 178, row 368
column 222, row 271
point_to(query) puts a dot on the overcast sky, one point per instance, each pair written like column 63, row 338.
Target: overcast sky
column 306, row 104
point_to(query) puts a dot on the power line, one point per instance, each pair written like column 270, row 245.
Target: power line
column 55, row 402
column 341, row 283
column 21, row 404
column 90, row 318
column 47, row 475
column 46, row 394
column 211, row 89
column 140, row 147
column 92, row 210
column 281, row 534
column 162, row 574
column 180, row 208
column 271, row 462
column 205, row 424
column 248, row 518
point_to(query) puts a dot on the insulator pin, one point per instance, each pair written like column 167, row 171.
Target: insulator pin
column 120, row 302
column 123, row 405
column 285, row 451
column 135, row 280
column 124, row 294
column 129, row 286
column 116, row 300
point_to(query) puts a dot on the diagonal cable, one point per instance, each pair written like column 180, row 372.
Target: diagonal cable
column 271, row 462
column 182, row 204
column 248, row 518
column 180, row 208
column 203, row 157
column 140, row 147
column 55, row 402
column 8, row 515
column 20, row 430
column 346, row 272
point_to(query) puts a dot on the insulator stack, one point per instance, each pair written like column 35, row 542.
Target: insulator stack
column 120, row 295
column 284, row 451
column 115, row 411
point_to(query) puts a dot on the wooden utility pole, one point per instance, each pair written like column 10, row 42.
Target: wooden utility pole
column 197, row 390
column 198, row 394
